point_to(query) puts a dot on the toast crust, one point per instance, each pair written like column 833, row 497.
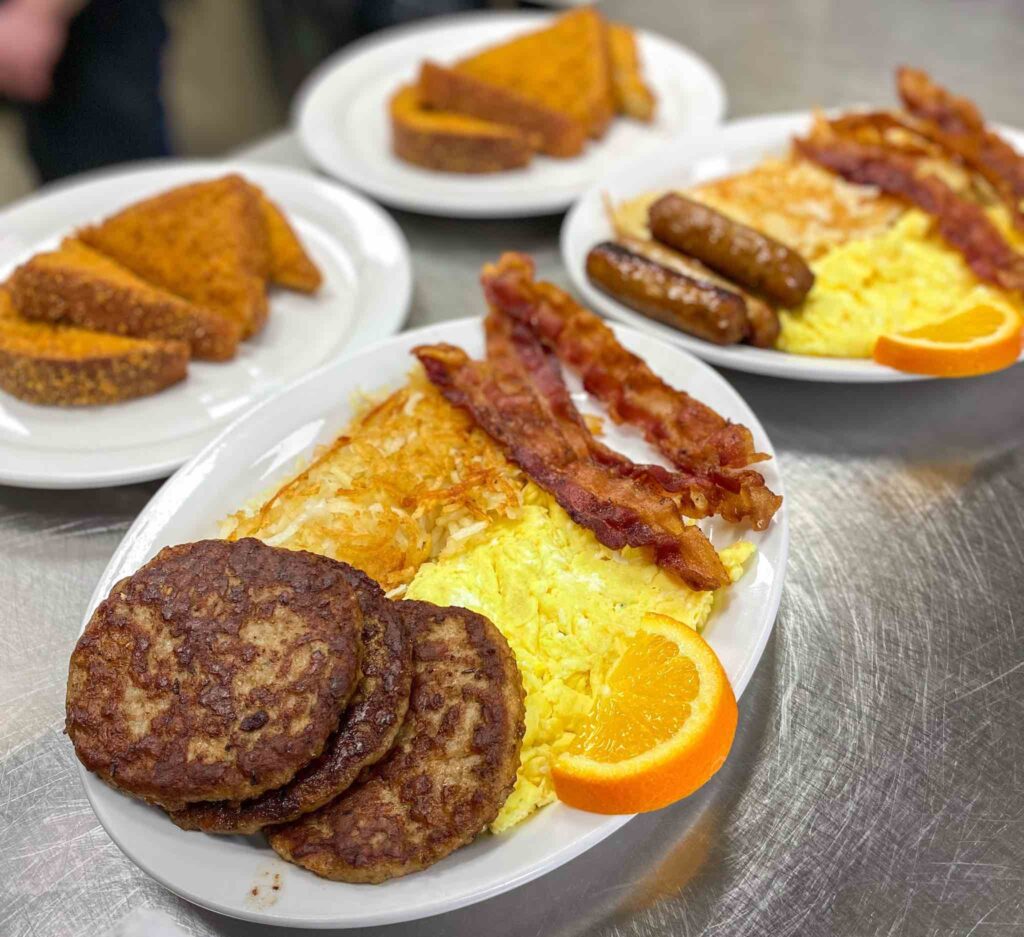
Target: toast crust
column 74, row 285
column 451, row 142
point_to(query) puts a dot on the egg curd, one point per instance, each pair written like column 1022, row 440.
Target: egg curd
column 566, row 604
column 902, row 279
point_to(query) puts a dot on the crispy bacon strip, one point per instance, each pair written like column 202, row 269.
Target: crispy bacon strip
column 961, row 222
column 691, row 435
column 957, row 124
column 512, row 347
column 618, row 510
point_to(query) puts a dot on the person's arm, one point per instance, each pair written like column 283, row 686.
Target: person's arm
column 32, row 37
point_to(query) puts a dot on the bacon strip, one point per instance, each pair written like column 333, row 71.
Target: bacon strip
column 690, row 434
column 961, row 222
column 513, row 348
column 957, row 124
column 617, row 509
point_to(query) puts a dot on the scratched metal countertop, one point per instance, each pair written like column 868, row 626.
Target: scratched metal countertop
column 876, row 786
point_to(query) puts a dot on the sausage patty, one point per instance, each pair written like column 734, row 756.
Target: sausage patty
column 452, row 767
column 215, row 672
column 365, row 735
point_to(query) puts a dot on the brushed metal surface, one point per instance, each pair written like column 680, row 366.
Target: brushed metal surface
column 876, row 786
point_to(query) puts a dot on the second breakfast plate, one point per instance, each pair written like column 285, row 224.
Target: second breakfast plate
column 260, row 450
column 365, row 297
column 728, row 149
column 342, row 120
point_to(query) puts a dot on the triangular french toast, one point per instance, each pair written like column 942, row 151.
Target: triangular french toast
column 632, row 95
column 448, row 89
column 453, row 142
column 563, row 67
column 290, row 264
column 66, row 366
column 206, row 241
column 75, row 285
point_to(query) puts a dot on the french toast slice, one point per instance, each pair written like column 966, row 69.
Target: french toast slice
column 453, row 142
column 67, row 366
column 75, row 285
column 563, row 67
column 290, row 264
column 632, row 95
column 551, row 131
column 205, row 241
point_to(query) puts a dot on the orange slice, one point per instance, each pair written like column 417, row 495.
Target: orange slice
column 661, row 728
column 980, row 340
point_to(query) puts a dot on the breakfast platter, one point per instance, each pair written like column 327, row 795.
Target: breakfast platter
column 879, row 266
column 364, row 295
column 469, row 627
column 218, row 493
column 342, row 119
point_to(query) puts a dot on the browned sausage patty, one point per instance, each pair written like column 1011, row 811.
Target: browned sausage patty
column 365, row 735
column 215, row 672
column 451, row 769
column 743, row 254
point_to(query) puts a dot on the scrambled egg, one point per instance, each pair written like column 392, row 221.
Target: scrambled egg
column 899, row 280
column 565, row 603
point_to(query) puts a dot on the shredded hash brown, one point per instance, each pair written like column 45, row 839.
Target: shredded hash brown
column 410, row 477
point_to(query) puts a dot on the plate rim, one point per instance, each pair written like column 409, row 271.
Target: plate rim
column 540, row 205
column 745, row 358
column 400, row 283
column 183, row 480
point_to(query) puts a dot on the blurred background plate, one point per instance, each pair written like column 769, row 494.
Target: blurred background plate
column 365, row 296
column 342, row 120
column 728, row 149
column 260, row 451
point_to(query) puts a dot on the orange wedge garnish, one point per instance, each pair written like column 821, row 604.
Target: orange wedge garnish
column 979, row 340
column 660, row 728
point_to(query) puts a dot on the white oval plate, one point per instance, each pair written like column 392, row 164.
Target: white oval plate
column 728, row 149
column 342, row 120
column 260, row 450
column 365, row 297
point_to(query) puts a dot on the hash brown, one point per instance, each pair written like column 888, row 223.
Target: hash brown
column 805, row 207
column 365, row 735
column 215, row 672
column 451, row 769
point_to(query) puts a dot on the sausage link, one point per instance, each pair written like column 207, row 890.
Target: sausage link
column 702, row 309
column 734, row 250
column 763, row 324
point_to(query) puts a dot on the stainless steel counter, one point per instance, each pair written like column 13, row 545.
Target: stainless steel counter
column 876, row 786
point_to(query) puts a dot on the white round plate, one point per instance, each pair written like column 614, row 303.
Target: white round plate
column 342, row 119
column 260, row 450
column 728, row 149
column 365, row 297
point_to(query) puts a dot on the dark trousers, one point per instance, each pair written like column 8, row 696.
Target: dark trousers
column 105, row 106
